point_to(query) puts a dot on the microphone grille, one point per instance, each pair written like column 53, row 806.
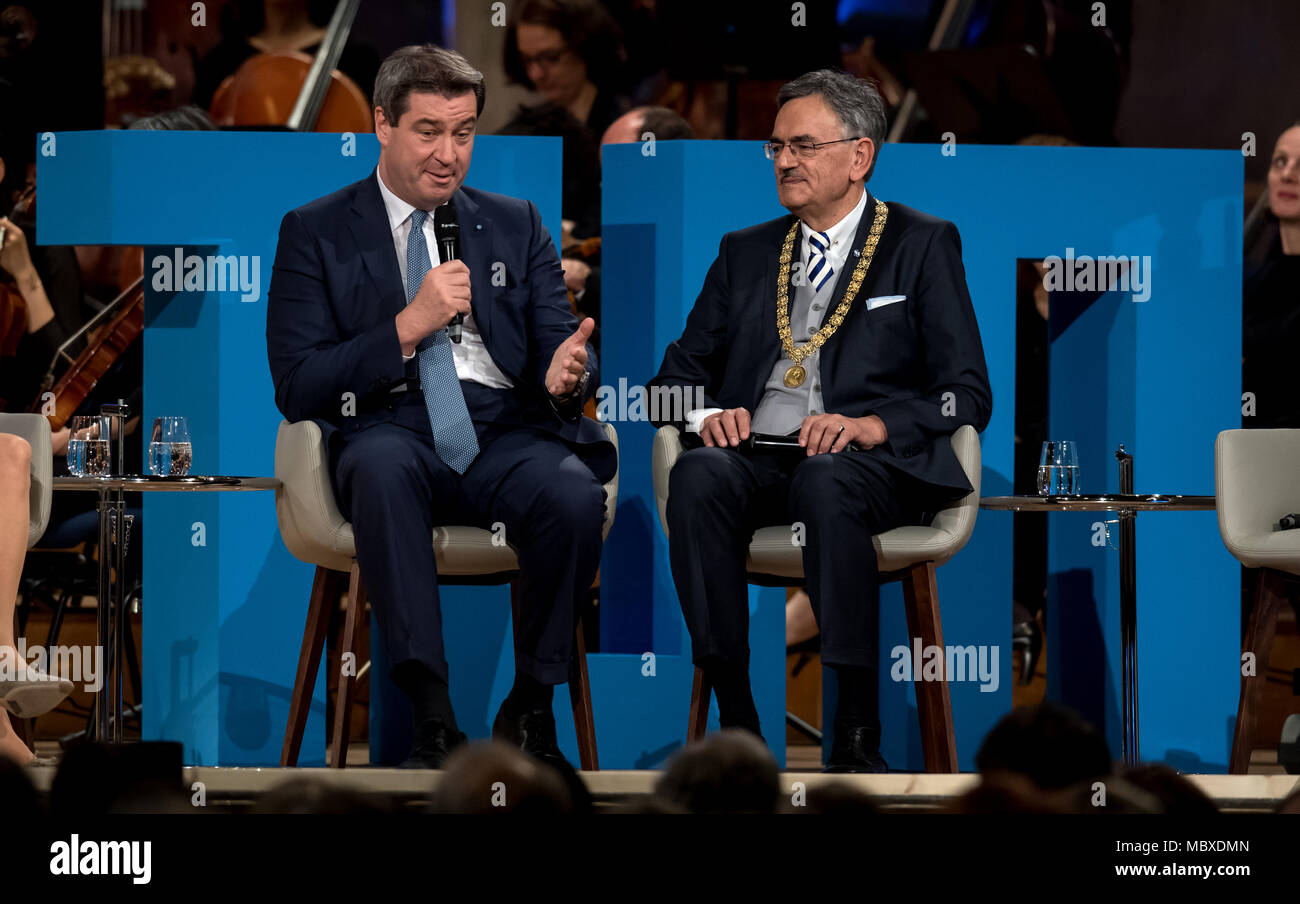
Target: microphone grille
column 445, row 219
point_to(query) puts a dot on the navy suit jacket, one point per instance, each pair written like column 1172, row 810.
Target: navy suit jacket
column 336, row 291
column 899, row 362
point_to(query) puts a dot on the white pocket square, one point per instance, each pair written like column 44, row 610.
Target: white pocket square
column 881, row 300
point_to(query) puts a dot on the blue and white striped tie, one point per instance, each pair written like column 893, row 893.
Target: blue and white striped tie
column 453, row 431
column 819, row 266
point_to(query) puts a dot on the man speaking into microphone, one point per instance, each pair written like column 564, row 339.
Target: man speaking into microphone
column 444, row 396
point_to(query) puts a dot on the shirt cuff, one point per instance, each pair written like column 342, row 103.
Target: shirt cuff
column 695, row 418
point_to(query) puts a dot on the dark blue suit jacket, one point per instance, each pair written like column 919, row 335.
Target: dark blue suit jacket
column 336, row 290
column 917, row 364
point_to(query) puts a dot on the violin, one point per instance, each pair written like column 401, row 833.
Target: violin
column 584, row 249
column 13, row 307
column 124, row 318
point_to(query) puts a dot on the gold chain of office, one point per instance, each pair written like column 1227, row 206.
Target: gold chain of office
column 796, row 373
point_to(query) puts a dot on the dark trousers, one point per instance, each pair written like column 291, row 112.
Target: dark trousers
column 392, row 486
column 718, row 497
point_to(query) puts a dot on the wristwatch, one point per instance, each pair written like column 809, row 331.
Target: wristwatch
column 577, row 391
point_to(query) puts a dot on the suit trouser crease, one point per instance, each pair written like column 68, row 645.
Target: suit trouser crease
column 719, row 497
column 394, row 489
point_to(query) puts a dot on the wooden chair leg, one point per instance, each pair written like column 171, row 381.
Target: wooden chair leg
column 347, row 682
column 324, row 593
column 580, row 697
column 701, row 691
column 1270, row 593
column 933, row 701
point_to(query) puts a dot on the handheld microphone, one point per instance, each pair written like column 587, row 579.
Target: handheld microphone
column 770, row 442
column 446, row 229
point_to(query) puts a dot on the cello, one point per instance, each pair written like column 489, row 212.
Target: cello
column 289, row 88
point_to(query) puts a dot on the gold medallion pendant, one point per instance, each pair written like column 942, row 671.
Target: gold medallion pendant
column 796, row 354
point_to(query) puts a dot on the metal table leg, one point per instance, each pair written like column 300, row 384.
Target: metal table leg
column 103, row 615
column 111, row 616
column 1128, row 610
column 119, row 616
column 1128, row 632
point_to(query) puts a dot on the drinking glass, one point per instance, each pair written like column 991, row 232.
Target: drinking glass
column 1058, row 468
column 88, row 448
column 169, row 447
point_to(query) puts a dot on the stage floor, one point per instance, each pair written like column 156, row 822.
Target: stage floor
column 236, row 787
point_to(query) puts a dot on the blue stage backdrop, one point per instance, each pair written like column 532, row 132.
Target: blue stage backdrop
column 1160, row 374
column 225, row 602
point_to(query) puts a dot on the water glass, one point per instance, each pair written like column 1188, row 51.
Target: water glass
column 88, row 446
column 169, row 447
column 1058, row 469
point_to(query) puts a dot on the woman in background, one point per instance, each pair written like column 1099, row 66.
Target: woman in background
column 1270, row 314
column 571, row 53
column 1270, row 330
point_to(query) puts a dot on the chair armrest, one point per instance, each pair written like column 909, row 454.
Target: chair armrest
column 1255, row 484
column 667, row 449
column 611, row 488
column 313, row 529
column 957, row 520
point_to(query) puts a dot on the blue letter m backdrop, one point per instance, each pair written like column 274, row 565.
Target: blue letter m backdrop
column 1161, row 375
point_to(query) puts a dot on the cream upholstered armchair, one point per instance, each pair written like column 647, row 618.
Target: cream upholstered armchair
column 910, row 554
column 1256, row 484
column 36, row 430
column 315, row 531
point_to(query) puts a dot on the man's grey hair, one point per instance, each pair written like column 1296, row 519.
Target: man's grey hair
column 426, row 68
column 855, row 101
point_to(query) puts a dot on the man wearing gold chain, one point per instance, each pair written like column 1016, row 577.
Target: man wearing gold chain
column 848, row 322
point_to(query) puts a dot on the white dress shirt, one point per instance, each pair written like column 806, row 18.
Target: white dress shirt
column 841, row 237
column 470, row 354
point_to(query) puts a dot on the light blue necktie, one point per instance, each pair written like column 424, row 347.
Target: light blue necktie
column 453, row 430
column 820, row 268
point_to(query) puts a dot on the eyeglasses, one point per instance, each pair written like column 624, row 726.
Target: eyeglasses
column 803, row 149
column 546, row 59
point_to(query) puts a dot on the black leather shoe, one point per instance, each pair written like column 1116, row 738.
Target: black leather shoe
column 856, row 748
column 433, row 744
column 533, row 732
